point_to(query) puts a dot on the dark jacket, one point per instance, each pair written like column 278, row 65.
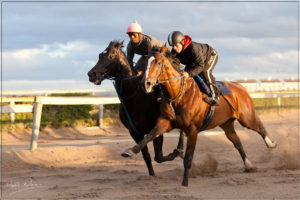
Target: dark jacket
column 143, row 48
column 194, row 56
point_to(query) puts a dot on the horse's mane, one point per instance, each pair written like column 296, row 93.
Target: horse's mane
column 116, row 44
column 175, row 62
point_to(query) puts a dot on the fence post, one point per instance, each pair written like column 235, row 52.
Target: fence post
column 12, row 115
column 37, row 114
column 278, row 104
column 100, row 115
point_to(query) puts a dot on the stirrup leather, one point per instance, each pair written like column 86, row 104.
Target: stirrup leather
column 212, row 101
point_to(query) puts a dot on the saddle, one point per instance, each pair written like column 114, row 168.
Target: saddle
column 223, row 89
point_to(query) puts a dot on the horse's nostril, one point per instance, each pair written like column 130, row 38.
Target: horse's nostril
column 92, row 74
column 148, row 83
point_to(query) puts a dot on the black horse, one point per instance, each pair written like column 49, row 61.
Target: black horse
column 142, row 108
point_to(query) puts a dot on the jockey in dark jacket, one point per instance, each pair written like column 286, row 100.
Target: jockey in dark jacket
column 140, row 44
column 198, row 59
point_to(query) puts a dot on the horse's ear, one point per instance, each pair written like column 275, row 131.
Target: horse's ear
column 163, row 49
column 121, row 44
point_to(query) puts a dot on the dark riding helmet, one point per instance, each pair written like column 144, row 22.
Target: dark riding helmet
column 175, row 37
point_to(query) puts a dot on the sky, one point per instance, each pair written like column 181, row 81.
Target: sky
column 52, row 45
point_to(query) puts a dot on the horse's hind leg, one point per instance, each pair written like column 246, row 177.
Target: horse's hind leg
column 228, row 127
column 260, row 129
column 158, row 144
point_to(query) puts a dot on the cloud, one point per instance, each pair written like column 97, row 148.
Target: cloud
column 274, row 62
column 61, row 40
column 46, row 22
column 69, row 60
column 60, row 50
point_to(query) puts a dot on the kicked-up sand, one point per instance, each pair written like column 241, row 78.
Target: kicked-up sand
column 86, row 163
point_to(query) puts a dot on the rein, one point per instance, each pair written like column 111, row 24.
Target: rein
column 121, row 86
column 182, row 85
column 124, row 99
column 171, row 79
column 182, row 88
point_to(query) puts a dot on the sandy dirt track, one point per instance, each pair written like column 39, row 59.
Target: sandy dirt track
column 86, row 163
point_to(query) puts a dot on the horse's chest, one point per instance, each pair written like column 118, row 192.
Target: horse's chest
column 184, row 116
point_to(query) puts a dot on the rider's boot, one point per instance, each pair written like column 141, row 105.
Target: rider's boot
column 214, row 99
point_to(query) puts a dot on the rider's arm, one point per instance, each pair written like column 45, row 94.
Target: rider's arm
column 130, row 54
column 198, row 61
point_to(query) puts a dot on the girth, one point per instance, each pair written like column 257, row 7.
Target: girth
column 210, row 115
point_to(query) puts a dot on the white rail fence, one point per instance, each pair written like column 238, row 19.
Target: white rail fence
column 35, row 105
column 38, row 103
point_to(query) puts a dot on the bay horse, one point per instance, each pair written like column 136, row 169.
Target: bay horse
column 189, row 110
column 139, row 111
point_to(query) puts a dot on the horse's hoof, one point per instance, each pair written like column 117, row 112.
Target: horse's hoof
column 250, row 169
column 270, row 144
column 127, row 153
column 185, row 183
column 179, row 152
column 274, row 145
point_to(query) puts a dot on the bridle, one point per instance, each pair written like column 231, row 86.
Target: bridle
column 163, row 69
column 117, row 77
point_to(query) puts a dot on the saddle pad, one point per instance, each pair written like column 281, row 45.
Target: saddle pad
column 223, row 88
column 205, row 89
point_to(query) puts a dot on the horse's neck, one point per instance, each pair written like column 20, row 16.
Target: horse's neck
column 125, row 86
column 172, row 87
column 126, row 70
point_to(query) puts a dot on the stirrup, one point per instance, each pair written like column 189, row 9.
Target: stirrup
column 212, row 101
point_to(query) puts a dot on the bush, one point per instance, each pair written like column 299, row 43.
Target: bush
column 66, row 116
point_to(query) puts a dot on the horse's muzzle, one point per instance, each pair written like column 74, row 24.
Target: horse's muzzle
column 95, row 78
column 149, row 86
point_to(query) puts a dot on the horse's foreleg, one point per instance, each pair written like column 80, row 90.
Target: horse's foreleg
column 188, row 158
column 180, row 144
column 181, row 140
column 162, row 126
column 145, row 152
column 147, row 159
column 228, row 127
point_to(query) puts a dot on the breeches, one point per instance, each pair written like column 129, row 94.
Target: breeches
column 207, row 73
